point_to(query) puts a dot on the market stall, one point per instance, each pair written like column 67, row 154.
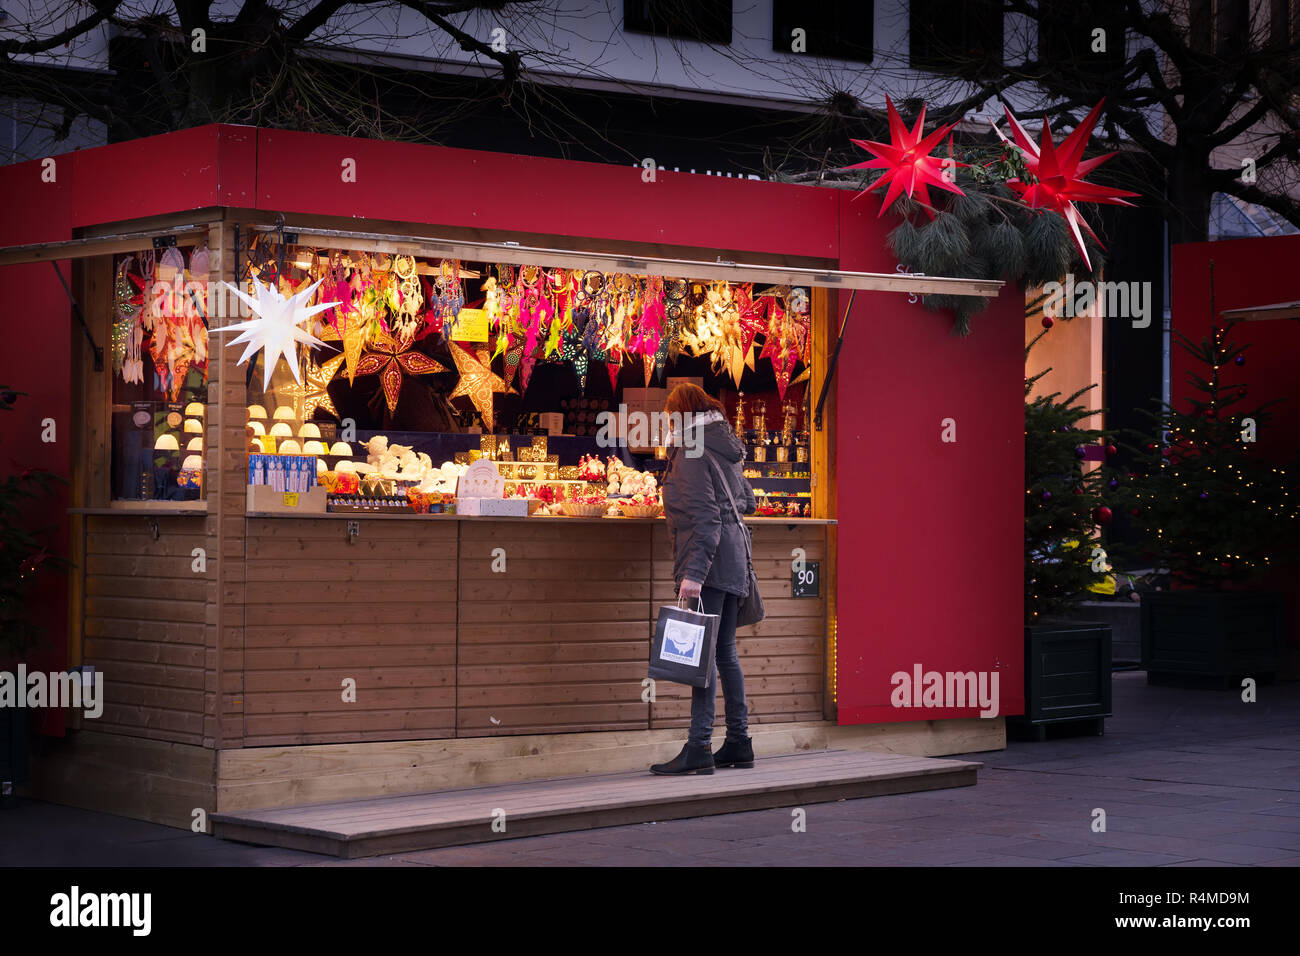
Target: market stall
column 429, row 517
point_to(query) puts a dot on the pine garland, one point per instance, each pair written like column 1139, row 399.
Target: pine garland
column 988, row 233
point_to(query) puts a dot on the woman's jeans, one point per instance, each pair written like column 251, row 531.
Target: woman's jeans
column 728, row 668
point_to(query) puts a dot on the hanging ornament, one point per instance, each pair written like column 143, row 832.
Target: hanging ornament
column 514, row 357
column 128, row 336
column 907, row 162
column 1240, row 360
column 314, row 392
column 196, row 324
column 1048, row 322
column 1101, row 514
column 405, row 300
column 477, row 381
column 649, row 327
column 613, row 367
column 1059, row 174
column 275, row 330
column 572, row 350
column 351, row 334
column 389, row 359
column 526, row 366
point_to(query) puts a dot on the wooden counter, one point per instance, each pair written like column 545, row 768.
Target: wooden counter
column 449, row 625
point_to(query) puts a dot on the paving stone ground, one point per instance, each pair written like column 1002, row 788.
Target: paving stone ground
column 1185, row 777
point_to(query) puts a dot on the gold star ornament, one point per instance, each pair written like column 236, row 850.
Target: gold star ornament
column 477, row 381
column 314, row 392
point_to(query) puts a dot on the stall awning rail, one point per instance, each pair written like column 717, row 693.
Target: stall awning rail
column 99, row 245
column 516, row 254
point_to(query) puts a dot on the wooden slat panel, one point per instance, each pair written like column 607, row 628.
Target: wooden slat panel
column 145, row 615
column 318, row 609
column 557, row 641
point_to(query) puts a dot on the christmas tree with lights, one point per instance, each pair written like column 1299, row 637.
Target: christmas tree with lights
column 1203, row 504
column 1064, row 503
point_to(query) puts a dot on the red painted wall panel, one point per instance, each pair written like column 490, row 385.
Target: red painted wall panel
column 302, row 172
column 37, row 325
column 163, row 174
column 930, row 539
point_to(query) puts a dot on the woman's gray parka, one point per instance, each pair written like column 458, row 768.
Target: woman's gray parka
column 707, row 542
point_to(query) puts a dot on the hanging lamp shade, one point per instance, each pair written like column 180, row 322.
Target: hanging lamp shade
column 281, row 430
column 256, row 411
column 289, row 447
column 195, row 444
column 195, row 408
column 193, row 463
column 193, row 426
column 313, row 448
column 341, row 448
column 166, row 443
column 309, row 430
column 285, row 413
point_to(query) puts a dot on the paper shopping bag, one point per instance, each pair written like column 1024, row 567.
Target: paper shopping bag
column 684, row 646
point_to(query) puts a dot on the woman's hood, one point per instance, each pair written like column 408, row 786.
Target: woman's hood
column 722, row 442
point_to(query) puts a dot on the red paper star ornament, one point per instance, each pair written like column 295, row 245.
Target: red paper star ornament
column 1059, row 172
column 390, row 359
column 907, row 162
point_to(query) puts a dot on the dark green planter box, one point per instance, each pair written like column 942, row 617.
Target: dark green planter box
column 13, row 745
column 1212, row 636
column 1067, row 674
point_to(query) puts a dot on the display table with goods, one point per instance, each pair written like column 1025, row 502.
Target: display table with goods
column 380, row 387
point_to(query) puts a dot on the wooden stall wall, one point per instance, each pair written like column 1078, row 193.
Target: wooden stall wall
column 145, row 615
column 782, row 657
column 552, row 631
column 319, row 610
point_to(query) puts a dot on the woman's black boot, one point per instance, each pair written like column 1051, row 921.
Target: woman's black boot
column 694, row 758
column 735, row 753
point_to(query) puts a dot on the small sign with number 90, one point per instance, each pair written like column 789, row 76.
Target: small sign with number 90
column 806, row 582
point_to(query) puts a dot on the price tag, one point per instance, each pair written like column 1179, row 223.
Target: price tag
column 808, row 582
column 471, row 325
column 291, row 499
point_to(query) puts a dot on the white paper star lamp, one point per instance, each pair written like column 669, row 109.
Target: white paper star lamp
column 275, row 330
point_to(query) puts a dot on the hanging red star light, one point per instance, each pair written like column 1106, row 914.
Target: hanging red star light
column 1060, row 173
column 907, row 161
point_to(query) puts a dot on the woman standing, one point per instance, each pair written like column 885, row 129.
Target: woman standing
column 710, row 562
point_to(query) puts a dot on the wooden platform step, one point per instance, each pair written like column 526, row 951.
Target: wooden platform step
column 422, row 821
